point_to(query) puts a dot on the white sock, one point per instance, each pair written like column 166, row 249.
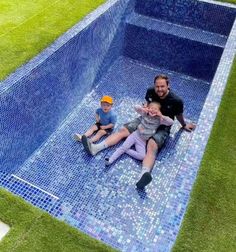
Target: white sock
column 98, row 147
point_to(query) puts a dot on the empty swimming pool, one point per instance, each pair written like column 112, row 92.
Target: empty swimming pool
column 116, row 50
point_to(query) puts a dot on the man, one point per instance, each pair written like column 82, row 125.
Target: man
column 171, row 105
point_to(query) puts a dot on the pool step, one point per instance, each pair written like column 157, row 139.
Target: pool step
column 200, row 15
column 152, row 24
column 170, row 46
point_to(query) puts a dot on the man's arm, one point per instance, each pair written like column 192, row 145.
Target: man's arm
column 186, row 126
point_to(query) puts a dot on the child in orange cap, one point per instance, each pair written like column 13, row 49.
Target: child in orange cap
column 105, row 121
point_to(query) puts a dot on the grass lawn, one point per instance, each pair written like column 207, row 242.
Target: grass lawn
column 33, row 230
column 27, row 27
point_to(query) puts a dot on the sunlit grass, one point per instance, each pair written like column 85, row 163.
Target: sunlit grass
column 27, row 27
column 32, row 230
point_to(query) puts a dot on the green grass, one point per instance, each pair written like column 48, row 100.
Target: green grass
column 27, row 27
column 227, row 1
column 33, row 230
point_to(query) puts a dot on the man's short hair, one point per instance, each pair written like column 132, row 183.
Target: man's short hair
column 162, row 77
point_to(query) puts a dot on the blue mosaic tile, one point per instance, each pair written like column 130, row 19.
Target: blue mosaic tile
column 32, row 194
column 55, row 95
column 186, row 176
column 170, row 52
column 177, row 30
column 62, row 168
column 202, row 15
column 56, row 79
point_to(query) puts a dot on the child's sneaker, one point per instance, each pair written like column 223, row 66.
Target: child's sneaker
column 78, row 137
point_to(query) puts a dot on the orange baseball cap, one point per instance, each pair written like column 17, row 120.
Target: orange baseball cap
column 107, row 99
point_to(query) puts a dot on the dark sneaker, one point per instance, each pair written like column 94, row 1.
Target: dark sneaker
column 144, row 180
column 107, row 163
column 86, row 144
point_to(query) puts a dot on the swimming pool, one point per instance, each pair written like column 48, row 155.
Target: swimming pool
column 116, row 50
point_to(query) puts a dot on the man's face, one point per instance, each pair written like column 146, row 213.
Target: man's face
column 161, row 88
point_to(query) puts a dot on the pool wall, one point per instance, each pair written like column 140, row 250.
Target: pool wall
column 36, row 99
column 202, row 15
column 168, row 51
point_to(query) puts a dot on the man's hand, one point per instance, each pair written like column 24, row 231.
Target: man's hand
column 189, row 127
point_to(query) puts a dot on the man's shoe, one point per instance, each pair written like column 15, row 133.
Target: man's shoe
column 87, row 144
column 144, row 180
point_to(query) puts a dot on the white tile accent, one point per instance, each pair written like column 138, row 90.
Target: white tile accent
column 4, row 228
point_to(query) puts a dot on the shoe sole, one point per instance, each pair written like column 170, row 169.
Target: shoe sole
column 77, row 138
column 86, row 144
column 144, row 181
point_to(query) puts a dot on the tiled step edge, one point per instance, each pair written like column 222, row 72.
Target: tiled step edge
column 177, row 30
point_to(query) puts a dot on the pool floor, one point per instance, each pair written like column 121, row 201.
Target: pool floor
column 104, row 202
